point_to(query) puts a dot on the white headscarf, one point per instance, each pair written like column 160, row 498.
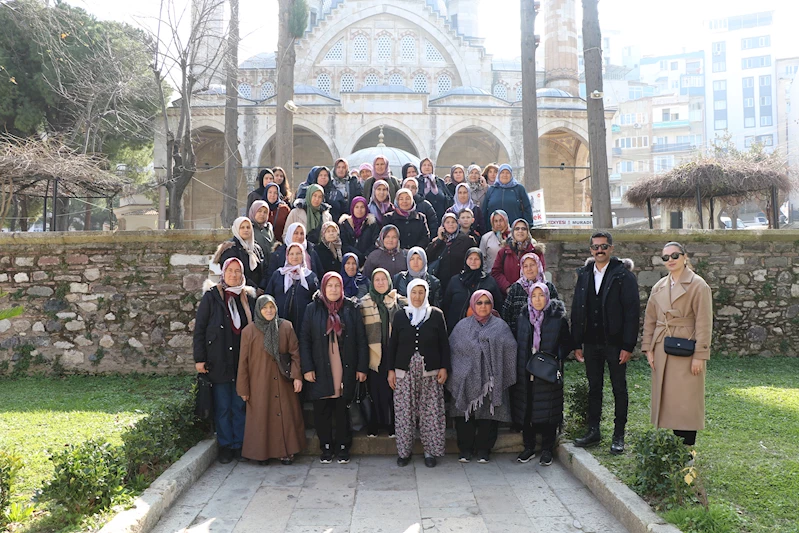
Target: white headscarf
column 418, row 314
column 292, row 273
column 249, row 244
column 231, row 303
column 288, row 234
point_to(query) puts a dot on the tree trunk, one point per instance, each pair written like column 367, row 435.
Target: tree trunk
column 286, row 57
column 600, row 187
column 532, row 179
column 232, row 158
column 23, row 213
column 87, row 216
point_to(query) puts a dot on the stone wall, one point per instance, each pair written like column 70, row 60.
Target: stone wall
column 101, row 302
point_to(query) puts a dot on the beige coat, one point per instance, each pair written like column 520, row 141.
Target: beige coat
column 678, row 397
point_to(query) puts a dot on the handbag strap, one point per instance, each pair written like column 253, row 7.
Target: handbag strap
column 668, row 329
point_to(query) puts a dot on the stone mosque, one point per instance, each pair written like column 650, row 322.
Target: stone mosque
column 415, row 71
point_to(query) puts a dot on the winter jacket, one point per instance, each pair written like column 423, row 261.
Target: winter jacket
column 426, row 208
column 327, row 260
column 490, row 246
column 514, row 201
column 361, row 246
column 517, row 300
column 450, row 257
column 394, row 264
column 547, row 404
column 265, row 237
column 278, row 260
column 314, row 348
column 457, row 296
column 440, row 201
column 393, row 186
column 430, row 339
column 215, row 344
column 479, row 220
column 291, row 304
column 507, row 269
column 412, row 229
column 402, row 279
column 233, row 248
column 298, row 214
column 278, row 219
column 620, row 302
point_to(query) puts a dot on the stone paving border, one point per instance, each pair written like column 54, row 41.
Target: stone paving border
column 157, row 498
column 628, row 508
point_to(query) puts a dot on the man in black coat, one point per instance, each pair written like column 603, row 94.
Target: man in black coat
column 605, row 323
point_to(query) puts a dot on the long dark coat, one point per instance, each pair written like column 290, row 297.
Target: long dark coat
column 451, row 257
column 412, row 229
column 291, row 305
column 457, row 296
column 516, row 300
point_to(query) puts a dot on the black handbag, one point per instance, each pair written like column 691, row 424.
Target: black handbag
column 545, row 366
column 204, row 401
column 677, row 345
column 284, row 365
column 362, row 408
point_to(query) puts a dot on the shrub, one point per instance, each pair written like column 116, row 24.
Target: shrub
column 577, row 406
column 660, row 459
column 10, row 465
column 88, row 477
column 697, row 519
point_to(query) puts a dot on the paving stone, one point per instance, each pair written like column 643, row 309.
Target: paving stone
column 392, row 504
column 279, row 501
column 540, row 502
column 507, row 523
column 493, row 499
column 340, row 517
column 472, row 524
column 326, row 498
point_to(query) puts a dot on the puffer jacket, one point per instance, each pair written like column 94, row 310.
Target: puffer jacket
column 412, row 229
column 361, row 246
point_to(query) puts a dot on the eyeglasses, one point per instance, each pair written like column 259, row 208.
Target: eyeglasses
column 675, row 255
column 482, row 302
column 520, row 229
column 598, row 246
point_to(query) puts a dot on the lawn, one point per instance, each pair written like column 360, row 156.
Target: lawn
column 748, row 454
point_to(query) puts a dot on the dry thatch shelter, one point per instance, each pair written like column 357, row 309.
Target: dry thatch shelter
column 734, row 179
column 48, row 168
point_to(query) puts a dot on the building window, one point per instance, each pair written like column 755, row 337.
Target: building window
column 384, row 48
column 519, row 93
column 432, row 54
column 719, row 66
column 360, row 50
column 765, row 140
column 765, row 100
column 323, row 83
column 766, row 121
column 748, row 83
column 666, row 115
column 625, row 167
column 245, row 91
column 664, row 163
column 756, row 42
column 500, row 91
column 420, row 83
column 635, row 93
column 267, row 90
column 749, row 122
column 675, row 84
column 336, row 52
column 371, row 80
column 748, row 141
column 408, row 48
column 720, row 124
column 765, row 81
column 444, row 83
column 719, row 48
column 720, row 104
column 756, row 62
column 720, row 85
column 396, row 79
column 749, row 102
column 674, row 65
column 347, row 83
column 663, row 64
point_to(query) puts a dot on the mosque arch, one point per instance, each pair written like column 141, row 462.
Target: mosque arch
column 411, row 142
column 493, row 144
column 310, row 149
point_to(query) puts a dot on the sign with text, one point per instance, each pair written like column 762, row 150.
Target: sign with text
column 539, row 208
column 570, row 220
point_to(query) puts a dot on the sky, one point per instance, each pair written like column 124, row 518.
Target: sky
column 657, row 27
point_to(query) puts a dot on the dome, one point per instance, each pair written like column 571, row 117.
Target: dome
column 386, row 89
column 309, row 89
column 465, row 90
column 262, row 60
column 551, row 92
column 396, row 158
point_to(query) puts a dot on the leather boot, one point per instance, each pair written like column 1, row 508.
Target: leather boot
column 591, row 438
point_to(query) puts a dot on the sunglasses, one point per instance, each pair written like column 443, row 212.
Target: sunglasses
column 675, row 255
column 599, row 246
column 483, row 302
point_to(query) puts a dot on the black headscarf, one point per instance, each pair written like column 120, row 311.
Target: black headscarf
column 471, row 278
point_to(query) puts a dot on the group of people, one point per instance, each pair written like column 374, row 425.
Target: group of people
column 433, row 309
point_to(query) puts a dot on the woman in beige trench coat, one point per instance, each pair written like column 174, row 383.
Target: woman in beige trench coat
column 680, row 305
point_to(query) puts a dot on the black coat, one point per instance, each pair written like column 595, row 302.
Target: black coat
column 291, row 305
column 517, row 299
column 457, row 296
column 314, row 348
column 215, row 343
column 361, row 246
column 430, row 339
column 327, row 260
column 547, row 398
column 620, row 302
column 233, row 248
column 402, row 279
column 413, row 229
column 278, row 260
column 440, row 201
column 450, row 257
column 426, row 208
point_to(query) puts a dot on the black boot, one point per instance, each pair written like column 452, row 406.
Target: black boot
column 617, row 446
column 591, row 438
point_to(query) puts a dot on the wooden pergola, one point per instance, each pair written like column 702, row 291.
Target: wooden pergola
column 706, row 178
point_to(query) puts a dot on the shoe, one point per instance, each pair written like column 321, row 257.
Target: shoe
column 465, row 458
column 430, row 461
column 371, row 434
column 526, row 455
column 483, row 458
column 225, row 455
column 327, row 456
column 391, row 433
column 343, row 455
column 617, row 447
column 287, row 461
column 237, row 455
column 546, row 458
column 403, row 461
column 264, row 462
column 591, row 438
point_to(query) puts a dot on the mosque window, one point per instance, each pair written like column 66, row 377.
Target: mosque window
column 408, row 47
column 519, row 93
column 432, row 54
column 371, row 80
column 245, row 91
column 347, row 83
column 325, row 6
column 500, row 91
column 267, row 90
column 420, row 83
column 323, row 83
column 444, row 83
column 336, row 52
column 396, row 79
column 359, row 49
column 384, row 48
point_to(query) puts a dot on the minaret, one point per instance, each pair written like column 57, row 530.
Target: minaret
column 560, row 46
column 464, row 14
column 210, row 65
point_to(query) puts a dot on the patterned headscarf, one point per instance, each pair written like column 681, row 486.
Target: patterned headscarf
column 357, row 223
column 449, row 237
column 270, row 328
column 527, row 284
column 334, row 246
column 385, row 174
column 383, row 232
column 501, row 235
column 430, row 183
column 536, row 316
column 376, row 207
column 457, row 206
column 333, row 320
column 292, row 273
column 473, row 305
column 402, row 212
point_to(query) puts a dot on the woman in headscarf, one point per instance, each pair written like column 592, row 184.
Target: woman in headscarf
column 483, row 352
column 492, row 241
column 449, row 247
column 244, row 248
column 509, row 195
column 364, row 173
column 490, row 173
column 262, row 229
column 283, row 183
column 378, row 308
column 477, row 183
column 355, row 284
column 293, row 285
column 311, row 211
column 329, row 249
column 457, row 176
column 278, row 209
column 380, row 202
column 532, row 272
column 462, row 286
column 411, row 223
column 463, row 200
column 333, row 355
column 225, row 309
column 418, row 363
column 265, row 177
column 381, row 171
column 359, row 230
column 433, row 188
column 275, row 428
column 388, row 254
column 507, row 266
column 422, row 205
column 334, row 197
column 295, row 233
column 417, row 269
column 539, row 403
column 347, row 185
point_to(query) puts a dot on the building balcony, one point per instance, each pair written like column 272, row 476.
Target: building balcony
column 672, row 147
column 671, row 124
column 615, row 200
column 616, row 151
column 614, row 177
column 615, row 128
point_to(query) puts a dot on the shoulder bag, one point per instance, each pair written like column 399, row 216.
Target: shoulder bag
column 545, row 366
column 284, row 365
column 361, row 407
column 678, row 346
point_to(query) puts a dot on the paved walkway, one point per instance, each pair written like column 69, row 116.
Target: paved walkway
column 373, row 495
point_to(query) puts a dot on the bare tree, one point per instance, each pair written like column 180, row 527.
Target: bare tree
column 532, row 179
column 230, row 189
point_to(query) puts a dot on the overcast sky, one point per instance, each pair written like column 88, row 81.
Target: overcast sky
column 658, row 27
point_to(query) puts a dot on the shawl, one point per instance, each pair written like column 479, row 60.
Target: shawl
column 536, row 316
column 418, row 250
column 292, row 273
column 386, row 229
column 249, row 244
column 333, row 320
column 256, row 205
column 430, row 184
column 457, row 207
column 351, row 283
column 357, row 223
column 470, row 278
column 527, row 284
column 334, row 246
column 512, row 183
column 231, row 293
column 384, row 176
column 483, row 363
column 378, row 208
column 501, row 235
column 378, row 312
column 402, row 212
column 449, row 237
column 270, row 328
column 314, row 214
column 418, row 315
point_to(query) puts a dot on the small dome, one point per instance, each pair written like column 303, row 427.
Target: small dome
column 310, row 89
column 551, row 92
column 262, row 60
column 385, row 89
column 466, row 90
column 396, row 158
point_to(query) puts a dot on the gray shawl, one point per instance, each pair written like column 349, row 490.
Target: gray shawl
column 483, row 364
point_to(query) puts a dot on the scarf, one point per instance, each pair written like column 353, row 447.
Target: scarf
column 248, row 245
column 402, row 212
column 519, row 247
column 232, row 294
column 378, row 325
column 473, row 306
column 449, row 237
column 351, row 283
column 457, row 207
column 383, row 232
column 501, row 235
column 470, row 278
column 314, row 214
column 527, row 284
column 421, row 274
column 536, row 316
column 511, row 184
column 334, row 246
column 376, row 207
column 294, row 273
column 384, row 176
column 341, row 184
column 430, row 183
column 272, row 206
column 418, row 315
column 358, row 223
column 270, row 328
column 405, row 168
column 333, row 320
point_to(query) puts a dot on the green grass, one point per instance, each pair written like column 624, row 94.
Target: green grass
column 748, row 454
